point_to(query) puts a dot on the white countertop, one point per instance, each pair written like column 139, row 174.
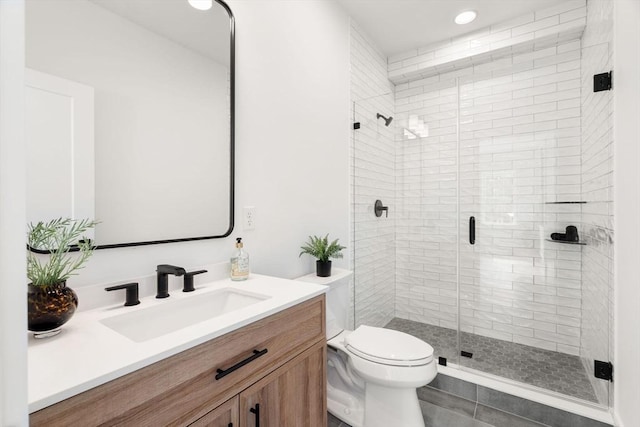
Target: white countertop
column 87, row 353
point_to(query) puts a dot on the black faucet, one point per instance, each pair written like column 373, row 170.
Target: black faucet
column 188, row 280
column 163, row 271
column 132, row 293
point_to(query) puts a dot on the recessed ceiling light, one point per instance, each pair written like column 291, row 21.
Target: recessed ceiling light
column 465, row 17
column 201, row 4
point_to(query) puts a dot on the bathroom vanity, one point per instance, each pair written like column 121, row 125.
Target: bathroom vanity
column 268, row 369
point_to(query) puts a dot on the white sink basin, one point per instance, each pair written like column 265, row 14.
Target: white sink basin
column 170, row 316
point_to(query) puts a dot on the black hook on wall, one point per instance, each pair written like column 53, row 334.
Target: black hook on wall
column 378, row 209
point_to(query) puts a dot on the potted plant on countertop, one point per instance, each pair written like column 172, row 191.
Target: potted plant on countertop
column 49, row 264
column 320, row 248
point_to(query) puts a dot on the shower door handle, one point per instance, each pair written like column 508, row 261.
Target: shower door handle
column 472, row 230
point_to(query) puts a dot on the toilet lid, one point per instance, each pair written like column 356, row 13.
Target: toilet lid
column 388, row 347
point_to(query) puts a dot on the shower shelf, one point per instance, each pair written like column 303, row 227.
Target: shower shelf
column 566, row 243
column 565, row 203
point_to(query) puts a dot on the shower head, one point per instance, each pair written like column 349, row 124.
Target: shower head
column 387, row 120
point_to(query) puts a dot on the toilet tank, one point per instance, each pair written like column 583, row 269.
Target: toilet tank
column 337, row 298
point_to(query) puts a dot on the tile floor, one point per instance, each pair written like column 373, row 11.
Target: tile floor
column 439, row 416
column 450, row 402
column 550, row 370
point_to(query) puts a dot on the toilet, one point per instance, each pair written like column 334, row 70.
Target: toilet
column 372, row 373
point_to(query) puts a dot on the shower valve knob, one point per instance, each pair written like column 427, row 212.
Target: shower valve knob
column 378, row 209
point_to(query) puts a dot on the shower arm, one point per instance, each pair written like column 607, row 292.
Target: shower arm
column 387, row 120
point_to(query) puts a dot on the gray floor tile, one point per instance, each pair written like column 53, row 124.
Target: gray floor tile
column 551, row 370
column 455, row 386
column 502, row 419
column 532, row 410
column 335, row 422
column 435, row 416
column 447, row 401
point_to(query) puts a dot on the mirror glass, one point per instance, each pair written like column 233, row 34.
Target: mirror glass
column 129, row 111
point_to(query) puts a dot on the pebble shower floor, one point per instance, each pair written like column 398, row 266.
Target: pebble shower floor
column 559, row 372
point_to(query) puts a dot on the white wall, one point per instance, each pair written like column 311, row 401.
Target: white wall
column 626, row 89
column 13, row 310
column 292, row 129
column 292, row 136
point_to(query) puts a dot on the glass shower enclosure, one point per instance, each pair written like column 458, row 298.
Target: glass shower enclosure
column 481, row 251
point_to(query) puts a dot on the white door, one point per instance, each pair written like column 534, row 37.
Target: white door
column 60, row 139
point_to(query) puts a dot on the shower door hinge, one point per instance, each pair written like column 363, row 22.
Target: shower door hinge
column 356, row 125
column 603, row 370
column 602, row 81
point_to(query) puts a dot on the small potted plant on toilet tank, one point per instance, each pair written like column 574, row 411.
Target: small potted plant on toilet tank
column 320, row 248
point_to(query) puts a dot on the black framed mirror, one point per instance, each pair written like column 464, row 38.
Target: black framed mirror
column 130, row 117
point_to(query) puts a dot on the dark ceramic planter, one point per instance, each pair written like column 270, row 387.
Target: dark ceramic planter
column 50, row 307
column 323, row 268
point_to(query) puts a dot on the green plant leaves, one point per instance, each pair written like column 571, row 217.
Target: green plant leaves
column 320, row 248
column 58, row 236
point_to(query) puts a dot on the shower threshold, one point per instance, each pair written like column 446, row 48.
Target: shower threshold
column 551, row 370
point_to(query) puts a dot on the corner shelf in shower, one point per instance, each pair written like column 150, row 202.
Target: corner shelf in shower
column 566, row 243
column 566, row 203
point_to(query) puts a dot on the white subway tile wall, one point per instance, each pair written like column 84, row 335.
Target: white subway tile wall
column 547, row 27
column 597, row 189
column 373, row 169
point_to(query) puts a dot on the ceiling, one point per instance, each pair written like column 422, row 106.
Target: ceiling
column 206, row 32
column 397, row 26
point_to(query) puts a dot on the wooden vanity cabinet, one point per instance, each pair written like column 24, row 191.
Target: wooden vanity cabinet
column 225, row 415
column 277, row 362
column 291, row 396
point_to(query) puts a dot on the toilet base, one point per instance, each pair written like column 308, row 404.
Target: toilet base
column 345, row 399
column 401, row 408
column 366, row 404
column 392, row 407
column 344, row 412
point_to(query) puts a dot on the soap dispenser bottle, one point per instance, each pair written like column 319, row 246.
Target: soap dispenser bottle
column 240, row 262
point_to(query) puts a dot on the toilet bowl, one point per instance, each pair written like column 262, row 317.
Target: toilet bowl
column 373, row 374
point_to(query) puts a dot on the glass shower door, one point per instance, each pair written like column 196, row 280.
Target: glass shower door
column 426, row 213
column 501, row 212
column 521, row 311
column 373, row 178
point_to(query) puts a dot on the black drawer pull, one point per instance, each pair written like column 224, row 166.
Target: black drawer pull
column 472, row 230
column 223, row 373
column 256, row 411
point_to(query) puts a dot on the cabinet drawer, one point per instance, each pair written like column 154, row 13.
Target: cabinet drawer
column 182, row 388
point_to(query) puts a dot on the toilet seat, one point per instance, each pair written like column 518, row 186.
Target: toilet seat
column 388, row 347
